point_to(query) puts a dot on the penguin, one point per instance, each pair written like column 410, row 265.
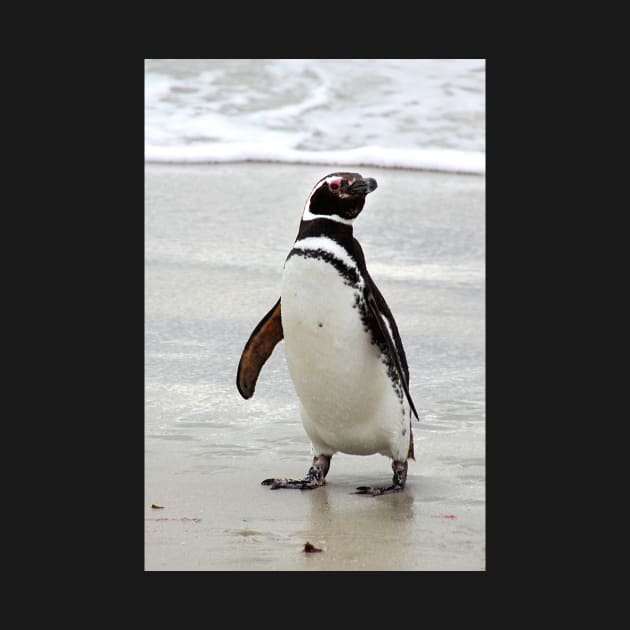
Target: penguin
column 343, row 349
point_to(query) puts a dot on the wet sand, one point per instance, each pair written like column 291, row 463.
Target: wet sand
column 215, row 240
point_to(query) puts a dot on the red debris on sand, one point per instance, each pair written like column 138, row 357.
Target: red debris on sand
column 308, row 548
column 445, row 516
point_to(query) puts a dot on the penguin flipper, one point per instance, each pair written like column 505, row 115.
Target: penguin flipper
column 391, row 347
column 258, row 349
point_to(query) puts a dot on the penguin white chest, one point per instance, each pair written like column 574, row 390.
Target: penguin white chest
column 321, row 323
column 347, row 400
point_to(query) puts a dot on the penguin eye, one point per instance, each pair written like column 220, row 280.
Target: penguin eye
column 334, row 185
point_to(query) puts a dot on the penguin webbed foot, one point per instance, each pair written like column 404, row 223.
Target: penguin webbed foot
column 296, row 484
column 398, row 482
column 315, row 477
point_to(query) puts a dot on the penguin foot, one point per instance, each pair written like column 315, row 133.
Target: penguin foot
column 398, row 482
column 297, row 484
column 315, row 477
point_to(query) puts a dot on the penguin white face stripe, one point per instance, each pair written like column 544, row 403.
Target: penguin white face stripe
column 324, row 181
column 309, row 216
column 328, row 245
column 308, row 201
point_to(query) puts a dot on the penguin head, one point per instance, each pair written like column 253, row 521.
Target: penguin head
column 340, row 194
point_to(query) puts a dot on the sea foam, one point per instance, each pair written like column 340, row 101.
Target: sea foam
column 428, row 159
column 423, row 114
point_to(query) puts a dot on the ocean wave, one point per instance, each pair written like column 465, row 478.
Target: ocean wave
column 424, row 114
column 445, row 160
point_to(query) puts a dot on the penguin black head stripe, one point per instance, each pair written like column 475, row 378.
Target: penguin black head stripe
column 344, row 352
column 340, row 194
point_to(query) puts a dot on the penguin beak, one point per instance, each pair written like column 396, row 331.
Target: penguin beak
column 362, row 186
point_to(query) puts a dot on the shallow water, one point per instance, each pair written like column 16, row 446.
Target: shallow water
column 216, row 237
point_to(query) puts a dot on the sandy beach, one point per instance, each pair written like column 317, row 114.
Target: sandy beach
column 216, row 237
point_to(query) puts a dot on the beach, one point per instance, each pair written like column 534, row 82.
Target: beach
column 216, row 237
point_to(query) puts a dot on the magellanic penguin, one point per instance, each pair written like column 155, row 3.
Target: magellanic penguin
column 343, row 349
